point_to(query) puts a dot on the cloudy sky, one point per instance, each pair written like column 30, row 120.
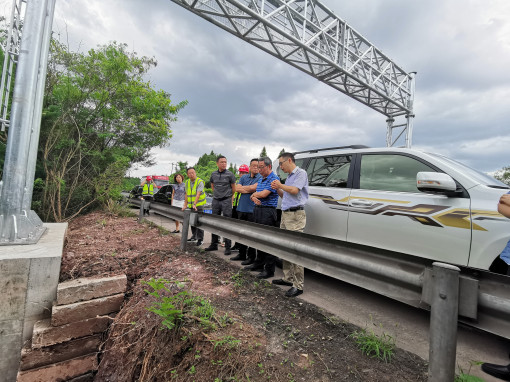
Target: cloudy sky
column 241, row 98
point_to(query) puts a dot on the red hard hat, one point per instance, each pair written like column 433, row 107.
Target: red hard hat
column 244, row 168
column 148, row 178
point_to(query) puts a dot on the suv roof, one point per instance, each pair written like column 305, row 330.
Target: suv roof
column 332, row 148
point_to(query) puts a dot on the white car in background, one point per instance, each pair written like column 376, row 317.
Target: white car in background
column 405, row 200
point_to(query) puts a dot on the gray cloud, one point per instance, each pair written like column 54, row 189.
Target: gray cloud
column 241, row 98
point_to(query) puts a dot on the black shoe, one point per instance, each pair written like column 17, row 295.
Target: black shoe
column 237, row 258
column 211, row 248
column 255, row 267
column 498, row 371
column 235, row 247
column 281, row 282
column 248, row 262
column 266, row 275
column 192, row 239
column 227, row 252
column 293, row 292
column 199, row 243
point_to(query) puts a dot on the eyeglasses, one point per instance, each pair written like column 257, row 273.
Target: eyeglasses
column 282, row 162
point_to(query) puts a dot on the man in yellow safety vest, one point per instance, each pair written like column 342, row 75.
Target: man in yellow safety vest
column 147, row 194
column 195, row 200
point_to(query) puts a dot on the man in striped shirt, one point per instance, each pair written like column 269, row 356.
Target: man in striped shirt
column 266, row 200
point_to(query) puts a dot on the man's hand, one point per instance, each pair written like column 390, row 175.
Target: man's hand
column 276, row 184
column 505, row 199
column 256, row 200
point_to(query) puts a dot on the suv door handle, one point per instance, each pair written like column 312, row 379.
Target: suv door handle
column 361, row 203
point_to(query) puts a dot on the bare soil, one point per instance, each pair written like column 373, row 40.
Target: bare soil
column 257, row 333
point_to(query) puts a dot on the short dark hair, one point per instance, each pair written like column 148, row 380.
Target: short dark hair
column 219, row 157
column 267, row 161
column 190, row 168
column 176, row 175
column 254, row 160
column 286, row 156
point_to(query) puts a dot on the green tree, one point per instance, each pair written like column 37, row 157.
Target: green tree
column 503, row 175
column 281, row 152
column 263, row 153
column 100, row 117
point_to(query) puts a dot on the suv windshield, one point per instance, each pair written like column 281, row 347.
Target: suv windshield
column 479, row 176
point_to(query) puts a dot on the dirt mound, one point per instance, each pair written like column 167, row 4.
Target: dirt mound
column 252, row 334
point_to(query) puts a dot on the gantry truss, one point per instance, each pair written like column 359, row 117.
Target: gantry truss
column 310, row 37
column 10, row 47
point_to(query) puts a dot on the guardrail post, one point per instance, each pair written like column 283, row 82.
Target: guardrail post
column 140, row 213
column 443, row 322
column 185, row 229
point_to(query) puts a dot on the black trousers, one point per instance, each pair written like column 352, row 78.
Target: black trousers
column 221, row 207
column 244, row 251
column 265, row 216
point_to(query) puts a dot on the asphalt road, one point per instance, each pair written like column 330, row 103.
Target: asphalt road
column 409, row 326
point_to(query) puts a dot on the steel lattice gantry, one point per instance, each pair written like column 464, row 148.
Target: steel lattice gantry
column 308, row 36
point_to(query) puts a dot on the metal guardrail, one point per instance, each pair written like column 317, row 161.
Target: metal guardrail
column 484, row 297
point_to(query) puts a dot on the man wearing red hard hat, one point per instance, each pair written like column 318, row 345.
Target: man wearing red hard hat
column 147, row 193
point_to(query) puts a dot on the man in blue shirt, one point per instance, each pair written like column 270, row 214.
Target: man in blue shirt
column 264, row 212
column 294, row 194
column 246, row 186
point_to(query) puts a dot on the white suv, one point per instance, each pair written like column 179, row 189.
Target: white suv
column 405, row 200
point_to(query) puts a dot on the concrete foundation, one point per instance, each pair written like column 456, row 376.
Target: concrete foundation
column 28, row 286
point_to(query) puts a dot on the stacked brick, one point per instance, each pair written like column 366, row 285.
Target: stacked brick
column 67, row 346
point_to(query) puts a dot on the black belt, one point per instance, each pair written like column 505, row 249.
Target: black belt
column 264, row 206
column 295, row 209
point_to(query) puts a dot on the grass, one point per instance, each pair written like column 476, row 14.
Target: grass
column 373, row 345
column 465, row 376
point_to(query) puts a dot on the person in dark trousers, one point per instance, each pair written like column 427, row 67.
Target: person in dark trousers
column 264, row 212
column 294, row 194
column 243, row 170
column 147, row 194
column 195, row 200
column 501, row 371
column 223, row 183
column 246, row 186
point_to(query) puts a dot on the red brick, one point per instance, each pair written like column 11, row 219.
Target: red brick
column 60, row 371
column 64, row 314
column 90, row 288
column 32, row 358
column 47, row 335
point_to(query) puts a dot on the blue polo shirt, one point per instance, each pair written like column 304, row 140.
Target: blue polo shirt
column 265, row 184
column 245, row 203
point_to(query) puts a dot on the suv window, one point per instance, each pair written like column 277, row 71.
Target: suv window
column 331, row 171
column 390, row 172
column 283, row 175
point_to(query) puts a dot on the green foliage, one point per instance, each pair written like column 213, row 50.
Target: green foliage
column 128, row 183
column 373, row 345
column 464, row 376
column 281, row 152
column 176, row 307
column 503, row 175
column 99, row 117
column 263, row 153
column 228, row 342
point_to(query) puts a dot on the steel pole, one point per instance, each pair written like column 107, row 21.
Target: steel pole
column 15, row 226
column 443, row 322
column 185, row 229
column 38, row 105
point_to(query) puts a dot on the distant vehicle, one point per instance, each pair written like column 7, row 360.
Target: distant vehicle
column 164, row 194
column 405, row 200
column 159, row 180
column 136, row 192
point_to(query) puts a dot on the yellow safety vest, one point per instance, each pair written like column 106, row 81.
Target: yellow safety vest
column 192, row 193
column 148, row 189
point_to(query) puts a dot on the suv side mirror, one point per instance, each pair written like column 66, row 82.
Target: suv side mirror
column 436, row 182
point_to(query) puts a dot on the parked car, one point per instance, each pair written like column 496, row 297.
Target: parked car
column 405, row 200
column 164, row 194
column 136, row 192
